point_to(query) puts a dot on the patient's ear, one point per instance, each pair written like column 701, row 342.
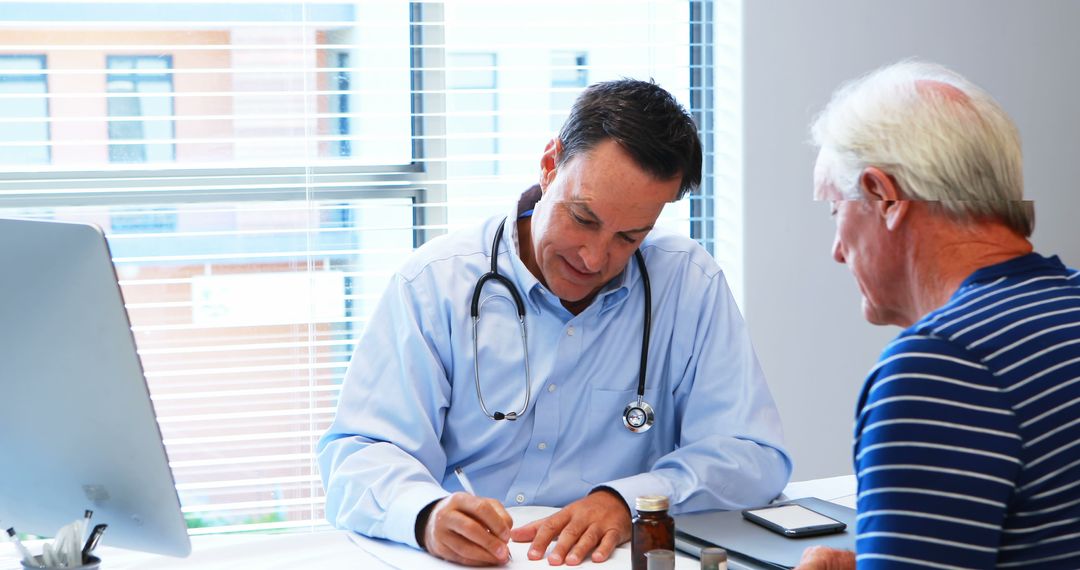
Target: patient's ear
column 883, row 190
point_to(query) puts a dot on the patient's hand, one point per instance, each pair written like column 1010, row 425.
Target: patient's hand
column 823, row 558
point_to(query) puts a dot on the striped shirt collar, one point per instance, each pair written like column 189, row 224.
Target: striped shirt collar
column 1023, row 265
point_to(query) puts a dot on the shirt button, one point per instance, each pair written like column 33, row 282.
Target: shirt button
column 520, row 498
column 551, row 387
column 542, row 446
column 570, row 331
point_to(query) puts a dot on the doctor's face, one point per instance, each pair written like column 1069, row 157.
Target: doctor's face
column 595, row 210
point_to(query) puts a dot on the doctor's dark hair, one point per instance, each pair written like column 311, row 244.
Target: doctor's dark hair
column 645, row 120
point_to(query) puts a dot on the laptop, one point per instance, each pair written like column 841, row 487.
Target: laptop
column 751, row 546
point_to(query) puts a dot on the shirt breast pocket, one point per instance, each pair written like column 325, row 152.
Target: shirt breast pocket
column 614, row 451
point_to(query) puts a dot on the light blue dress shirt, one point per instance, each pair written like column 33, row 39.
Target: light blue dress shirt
column 408, row 413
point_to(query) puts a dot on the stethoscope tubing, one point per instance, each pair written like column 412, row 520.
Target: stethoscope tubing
column 474, row 312
column 646, row 326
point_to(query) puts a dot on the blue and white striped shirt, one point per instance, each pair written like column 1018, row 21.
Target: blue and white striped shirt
column 967, row 433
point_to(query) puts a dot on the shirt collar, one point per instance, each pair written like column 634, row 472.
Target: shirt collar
column 528, row 283
column 617, row 289
column 1030, row 263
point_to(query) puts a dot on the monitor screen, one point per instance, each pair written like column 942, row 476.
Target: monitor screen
column 77, row 427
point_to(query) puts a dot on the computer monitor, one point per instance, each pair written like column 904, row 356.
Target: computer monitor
column 77, row 427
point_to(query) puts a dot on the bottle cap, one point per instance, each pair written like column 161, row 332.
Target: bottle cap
column 651, row 503
column 711, row 557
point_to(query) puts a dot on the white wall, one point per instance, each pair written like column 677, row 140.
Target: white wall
column 803, row 308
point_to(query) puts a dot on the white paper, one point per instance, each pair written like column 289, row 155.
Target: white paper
column 407, row 558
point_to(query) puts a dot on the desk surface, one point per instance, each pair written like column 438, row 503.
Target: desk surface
column 325, row 548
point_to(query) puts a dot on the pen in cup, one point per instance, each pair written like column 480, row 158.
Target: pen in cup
column 87, row 515
column 27, row 557
column 467, row 485
column 92, row 541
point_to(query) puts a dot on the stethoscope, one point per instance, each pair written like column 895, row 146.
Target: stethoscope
column 638, row 415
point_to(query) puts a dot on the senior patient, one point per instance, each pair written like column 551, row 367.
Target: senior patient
column 967, row 433
column 585, row 416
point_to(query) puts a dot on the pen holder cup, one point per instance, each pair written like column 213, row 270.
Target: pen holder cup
column 92, row 563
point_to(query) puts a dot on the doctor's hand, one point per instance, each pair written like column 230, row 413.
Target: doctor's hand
column 468, row 530
column 823, row 558
column 596, row 523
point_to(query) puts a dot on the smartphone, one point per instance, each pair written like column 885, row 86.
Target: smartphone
column 793, row 521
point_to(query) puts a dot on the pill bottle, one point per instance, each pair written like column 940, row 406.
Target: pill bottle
column 653, row 529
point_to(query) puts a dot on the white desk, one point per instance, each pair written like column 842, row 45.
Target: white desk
column 330, row 549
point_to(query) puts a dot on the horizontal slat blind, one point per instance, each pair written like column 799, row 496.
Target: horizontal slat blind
column 261, row 168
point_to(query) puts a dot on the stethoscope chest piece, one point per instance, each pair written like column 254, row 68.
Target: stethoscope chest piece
column 638, row 416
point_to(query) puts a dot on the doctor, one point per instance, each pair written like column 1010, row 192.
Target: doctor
column 587, row 380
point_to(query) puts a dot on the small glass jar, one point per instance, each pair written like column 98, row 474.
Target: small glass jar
column 653, row 529
column 713, row 559
column 660, row 560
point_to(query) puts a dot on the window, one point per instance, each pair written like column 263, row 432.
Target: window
column 569, row 76
column 261, row 168
column 338, row 118
column 144, row 113
column 151, row 220
column 24, row 110
column 471, row 114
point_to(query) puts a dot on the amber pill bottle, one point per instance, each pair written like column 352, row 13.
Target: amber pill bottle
column 653, row 528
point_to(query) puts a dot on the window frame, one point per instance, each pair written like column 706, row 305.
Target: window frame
column 702, row 92
column 422, row 181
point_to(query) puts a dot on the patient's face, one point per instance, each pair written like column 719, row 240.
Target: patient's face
column 862, row 243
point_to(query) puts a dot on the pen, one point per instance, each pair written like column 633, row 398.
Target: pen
column 465, row 484
column 92, row 542
column 87, row 515
column 27, row 557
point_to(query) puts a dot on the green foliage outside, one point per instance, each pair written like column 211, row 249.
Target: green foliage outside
column 200, row 522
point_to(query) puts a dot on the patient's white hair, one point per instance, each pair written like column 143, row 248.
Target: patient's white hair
column 941, row 137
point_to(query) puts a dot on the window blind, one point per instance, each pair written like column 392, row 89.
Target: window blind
column 262, row 167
